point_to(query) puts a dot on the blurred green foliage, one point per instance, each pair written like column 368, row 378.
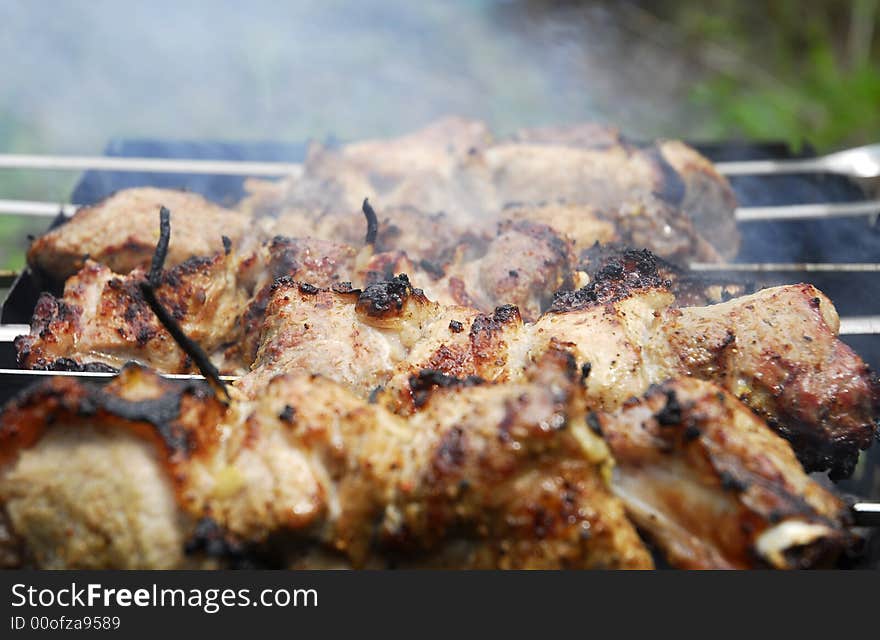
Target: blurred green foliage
column 18, row 136
column 787, row 69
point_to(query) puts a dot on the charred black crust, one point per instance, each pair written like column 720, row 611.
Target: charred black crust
column 690, row 288
column 227, row 244
column 387, row 297
column 161, row 252
column 505, row 313
column 284, row 256
column 623, row 275
column 68, row 364
column 431, row 268
column 282, row 282
column 730, row 482
column 344, row 288
column 671, row 413
column 372, row 223
column 192, row 265
column 288, row 414
column 308, row 289
column 489, row 324
column 422, row 384
column 212, row 540
column 455, row 326
column 691, row 432
column 161, row 413
column 816, row 454
column 586, row 368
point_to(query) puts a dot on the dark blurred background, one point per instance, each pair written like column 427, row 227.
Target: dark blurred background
column 78, row 74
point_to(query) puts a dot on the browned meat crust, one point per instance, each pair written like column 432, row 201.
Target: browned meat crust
column 713, row 487
column 778, row 351
column 310, row 460
column 688, row 180
column 690, row 289
column 102, row 321
column 121, row 232
column 815, row 391
column 665, row 197
column 103, row 318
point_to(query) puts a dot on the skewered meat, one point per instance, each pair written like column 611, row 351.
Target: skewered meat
column 103, row 320
column 706, row 195
column 522, row 265
column 690, row 289
column 509, row 475
column 814, row 390
column 639, row 188
column 121, row 232
column 102, row 317
column 713, row 487
column 509, row 468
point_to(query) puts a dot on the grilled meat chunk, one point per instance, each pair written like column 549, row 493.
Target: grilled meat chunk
column 667, row 194
column 706, row 196
column 714, row 488
column 609, row 178
column 690, row 289
column 433, row 238
column 121, row 233
column 778, row 351
column 508, row 468
column 103, row 318
column 814, row 390
column 523, row 265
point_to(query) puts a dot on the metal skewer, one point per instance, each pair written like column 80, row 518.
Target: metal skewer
column 742, row 214
column 808, row 211
column 849, row 326
column 859, row 162
column 775, row 267
column 149, row 165
column 866, row 514
column 97, row 375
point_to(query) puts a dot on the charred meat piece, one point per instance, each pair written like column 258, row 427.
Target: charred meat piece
column 690, row 289
column 620, row 178
column 814, row 390
column 714, row 488
column 705, row 195
column 381, row 336
column 523, row 265
column 507, row 469
column 103, row 318
column 434, row 238
column 120, row 232
column 777, row 350
column 642, row 189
